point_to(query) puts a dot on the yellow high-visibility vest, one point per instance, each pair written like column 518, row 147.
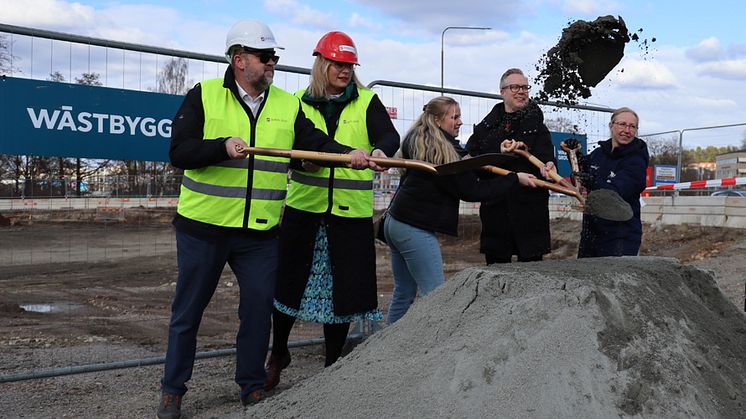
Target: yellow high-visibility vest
column 352, row 191
column 249, row 192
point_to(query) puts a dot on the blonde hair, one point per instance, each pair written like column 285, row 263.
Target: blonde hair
column 425, row 140
column 318, row 83
column 624, row 110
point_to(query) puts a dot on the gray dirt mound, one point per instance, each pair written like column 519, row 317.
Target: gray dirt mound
column 609, row 337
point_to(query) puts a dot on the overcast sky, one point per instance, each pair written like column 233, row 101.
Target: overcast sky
column 694, row 75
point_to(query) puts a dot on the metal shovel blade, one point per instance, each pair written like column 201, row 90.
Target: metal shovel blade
column 474, row 163
column 607, row 204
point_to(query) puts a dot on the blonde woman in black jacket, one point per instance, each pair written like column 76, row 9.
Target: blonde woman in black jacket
column 425, row 204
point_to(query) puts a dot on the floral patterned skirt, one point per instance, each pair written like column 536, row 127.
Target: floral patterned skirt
column 316, row 303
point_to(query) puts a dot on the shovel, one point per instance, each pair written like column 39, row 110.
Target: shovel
column 522, row 150
column 443, row 169
column 540, row 183
column 572, row 157
column 602, row 203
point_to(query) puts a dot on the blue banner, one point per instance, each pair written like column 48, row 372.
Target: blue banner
column 42, row 118
column 563, row 166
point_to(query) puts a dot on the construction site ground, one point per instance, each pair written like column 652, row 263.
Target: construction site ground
column 78, row 290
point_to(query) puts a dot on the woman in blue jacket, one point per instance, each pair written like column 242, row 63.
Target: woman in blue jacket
column 425, row 204
column 619, row 164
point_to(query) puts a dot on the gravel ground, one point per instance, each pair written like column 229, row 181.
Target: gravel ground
column 110, row 288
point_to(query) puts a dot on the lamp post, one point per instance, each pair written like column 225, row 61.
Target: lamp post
column 442, row 36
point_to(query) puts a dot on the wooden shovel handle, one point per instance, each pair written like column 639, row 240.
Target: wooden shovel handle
column 538, row 163
column 572, row 157
column 538, row 182
column 338, row 158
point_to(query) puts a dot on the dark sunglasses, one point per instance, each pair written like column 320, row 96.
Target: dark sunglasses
column 264, row 56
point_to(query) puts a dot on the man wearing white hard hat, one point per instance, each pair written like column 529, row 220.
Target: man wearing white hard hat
column 230, row 203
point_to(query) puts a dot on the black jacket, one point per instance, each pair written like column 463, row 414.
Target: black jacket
column 431, row 202
column 189, row 150
column 350, row 240
column 517, row 222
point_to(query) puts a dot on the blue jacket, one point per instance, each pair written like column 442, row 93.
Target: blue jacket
column 622, row 170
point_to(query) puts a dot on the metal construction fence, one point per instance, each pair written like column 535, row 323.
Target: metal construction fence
column 40, row 54
column 97, row 186
column 37, row 54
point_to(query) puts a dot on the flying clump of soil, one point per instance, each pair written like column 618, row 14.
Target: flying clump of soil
column 585, row 54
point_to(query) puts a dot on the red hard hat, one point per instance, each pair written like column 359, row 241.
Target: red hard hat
column 337, row 46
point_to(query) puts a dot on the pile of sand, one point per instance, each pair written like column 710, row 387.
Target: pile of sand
column 604, row 337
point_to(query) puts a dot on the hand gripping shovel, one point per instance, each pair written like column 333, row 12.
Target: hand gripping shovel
column 602, row 203
column 538, row 182
column 562, row 186
column 522, row 149
column 443, row 169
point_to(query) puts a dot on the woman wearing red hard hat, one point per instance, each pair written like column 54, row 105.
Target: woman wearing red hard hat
column 327, row 271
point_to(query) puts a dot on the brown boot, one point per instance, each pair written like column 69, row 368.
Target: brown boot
column 273, row 368
column 170, row 406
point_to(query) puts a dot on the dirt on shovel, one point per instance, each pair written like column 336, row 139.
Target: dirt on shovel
column 607, row 204
column 585, row 54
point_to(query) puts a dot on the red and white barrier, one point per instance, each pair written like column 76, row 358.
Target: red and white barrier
column 700, row 184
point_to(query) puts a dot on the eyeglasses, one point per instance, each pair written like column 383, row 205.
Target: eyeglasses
column 623, row 126
column 515, row 88
column 339, row 66
column 264, row 56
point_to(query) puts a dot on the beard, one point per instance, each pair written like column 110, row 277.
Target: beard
column 261, row 80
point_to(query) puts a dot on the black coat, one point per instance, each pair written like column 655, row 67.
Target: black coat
column 517, row 223
column 352, row 253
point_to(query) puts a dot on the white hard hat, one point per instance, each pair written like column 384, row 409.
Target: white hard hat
column 250, row 33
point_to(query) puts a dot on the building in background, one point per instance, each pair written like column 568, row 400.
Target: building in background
column 731, row 164
column 699, row 171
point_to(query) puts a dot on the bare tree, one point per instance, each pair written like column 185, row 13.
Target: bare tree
column 664, row 150
column 56, row 76
column 6, row 58
column 7, row 163
column 90, row 79
column 86, row 169
column 173, row 78
column 561, row 124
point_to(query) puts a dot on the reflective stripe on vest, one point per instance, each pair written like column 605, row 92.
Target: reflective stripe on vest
column 249, row 192
column 352, row 194
column 355, row 185
column 232, row 191
column 267, row 166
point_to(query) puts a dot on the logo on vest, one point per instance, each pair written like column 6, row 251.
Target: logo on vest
column 271, row 119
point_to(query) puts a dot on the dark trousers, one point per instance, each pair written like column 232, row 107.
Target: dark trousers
column 201, row 262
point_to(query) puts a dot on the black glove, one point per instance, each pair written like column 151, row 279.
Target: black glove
column 587, row 179
column 572, row 143
column 584, row 163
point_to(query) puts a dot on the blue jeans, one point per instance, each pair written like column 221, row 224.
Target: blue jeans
column 415, row 261
column 254, row 263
